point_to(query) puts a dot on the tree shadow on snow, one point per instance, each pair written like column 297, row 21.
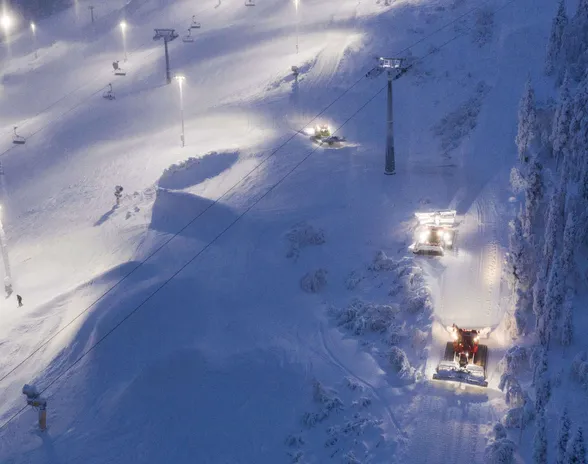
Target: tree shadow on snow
column 196, row 170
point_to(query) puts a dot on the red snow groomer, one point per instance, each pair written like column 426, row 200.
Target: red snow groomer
column 464, row 359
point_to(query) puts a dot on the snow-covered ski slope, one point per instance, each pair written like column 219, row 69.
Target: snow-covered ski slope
column 216, row 365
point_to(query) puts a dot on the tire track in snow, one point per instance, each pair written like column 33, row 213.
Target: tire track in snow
column 335, row 361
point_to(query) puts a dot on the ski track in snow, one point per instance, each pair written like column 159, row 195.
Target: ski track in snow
column 330, row 356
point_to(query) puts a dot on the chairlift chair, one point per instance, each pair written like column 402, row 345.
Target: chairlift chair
column 118, row 71
column 195, row 24
column 18, row 139
column 109, row 94
column 249, row 3
column 188, row 37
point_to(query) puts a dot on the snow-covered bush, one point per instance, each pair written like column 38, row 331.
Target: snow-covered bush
column 499, row 452
column 329, row 401
column 484, row 27
column 400, row 364
column 314, row 282
column 382, row 262
column 353, row 280
column 360, row 317
column 303, row 235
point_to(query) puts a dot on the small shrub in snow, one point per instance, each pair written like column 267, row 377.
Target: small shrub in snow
column 400, row 364
column 296, row 457
column 353, row 280
column 353, row 384
column 363, row 402
column 294, row 440
column 329, row 401
column 500, row 452
column 314, row 282
column 303, row 235
column 484, row 26
column 382, row 262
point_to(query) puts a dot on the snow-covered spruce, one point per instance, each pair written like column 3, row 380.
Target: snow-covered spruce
column 563, row 437
column 576, row 452
column 554, row 45
column 314, row 282
column 560, row 135
column 567, row 327
column 400, row 364
column 580, row 369
column 514, row 395
column 515, row 360
column 540, row 440
column 527, row 130
column 301, row 236
column 499, row 452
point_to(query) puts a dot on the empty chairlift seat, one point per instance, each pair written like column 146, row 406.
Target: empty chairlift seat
column 17, row 139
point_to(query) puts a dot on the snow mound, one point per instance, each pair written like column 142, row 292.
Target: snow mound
column 301, row 236
column 314, row 282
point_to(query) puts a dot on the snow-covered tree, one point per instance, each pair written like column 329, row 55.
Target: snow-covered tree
column 533, row 196
column 554, row 297
column 563, row 436
column 540, row 440
column 554, row 226
column 519, row 265
column 558, row 25
column 560, row 134
column 577, row 449
column 578, row 130
column 542, row 392
column 566, row 258
column 567, row 326
column 527, row 129
column 574, row 43
column 538, row 362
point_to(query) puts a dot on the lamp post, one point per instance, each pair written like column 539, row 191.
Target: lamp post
column 296, row 5
column 123, row 28
column 6, row 23
column 180, row 80
column 34, row 33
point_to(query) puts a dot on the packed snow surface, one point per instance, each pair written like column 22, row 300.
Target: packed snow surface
column 252, row 299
